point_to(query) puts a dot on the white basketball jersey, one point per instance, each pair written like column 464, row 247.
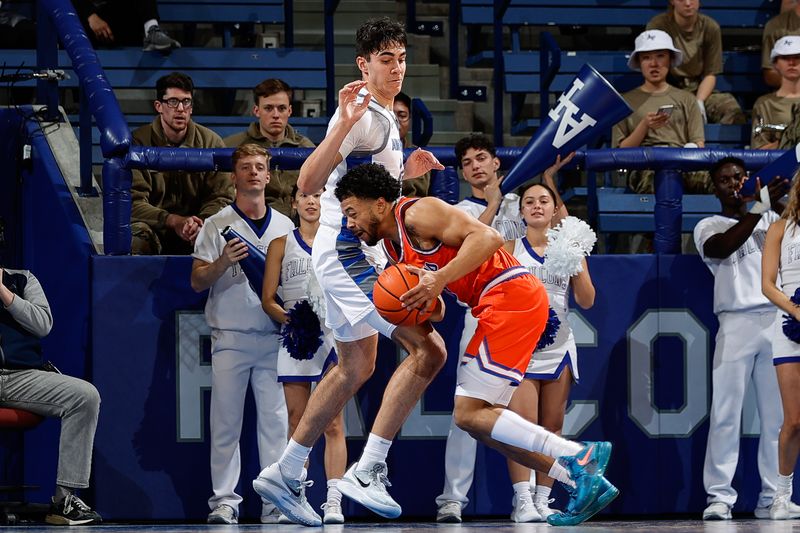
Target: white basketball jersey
column 737, row 278
column 790, row 259
column 556, row 285
column 375, row 136
column 295, row 269
column 232, row 304
column 507, row 220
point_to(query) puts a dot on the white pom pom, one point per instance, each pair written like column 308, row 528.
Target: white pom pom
column 567, row 245
column 315, row 296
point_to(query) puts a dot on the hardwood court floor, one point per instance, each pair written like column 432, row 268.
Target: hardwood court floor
column 502, row 526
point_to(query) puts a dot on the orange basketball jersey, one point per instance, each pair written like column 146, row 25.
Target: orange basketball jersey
column 467, row 289
column 508, row 301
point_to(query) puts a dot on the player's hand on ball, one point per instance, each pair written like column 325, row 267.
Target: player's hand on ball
column 420, row 162
column 425, row 294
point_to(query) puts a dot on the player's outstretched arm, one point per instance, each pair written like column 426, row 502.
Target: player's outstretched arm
column 316, row 169
column 770, row 263
column 272, row 277
column 419, row 163
column 549, row 178
column 432, row 219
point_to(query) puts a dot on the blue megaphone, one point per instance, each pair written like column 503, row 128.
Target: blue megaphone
column 785, row 166
column 253, row 264
column 588, row 107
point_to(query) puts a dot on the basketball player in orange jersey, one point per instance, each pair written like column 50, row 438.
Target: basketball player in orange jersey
column 449, row 250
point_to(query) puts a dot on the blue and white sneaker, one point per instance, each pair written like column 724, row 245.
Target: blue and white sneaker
column 288, row 495
column 605, row 495
column 368, row 487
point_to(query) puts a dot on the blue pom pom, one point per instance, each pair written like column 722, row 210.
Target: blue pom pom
column 302, row 334
column 550, row 330
column 791, row 327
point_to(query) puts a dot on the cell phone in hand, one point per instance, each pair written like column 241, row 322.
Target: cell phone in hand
column 665, row 109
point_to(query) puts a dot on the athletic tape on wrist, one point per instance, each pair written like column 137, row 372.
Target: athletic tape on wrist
column 764, row 204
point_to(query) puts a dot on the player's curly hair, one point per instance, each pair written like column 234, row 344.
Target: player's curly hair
column 378, row 34
column 370, row 181
column 792, row 210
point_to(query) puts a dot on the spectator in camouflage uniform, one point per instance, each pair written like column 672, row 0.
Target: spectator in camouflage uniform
column 273, row 107
column 700, row 39
column 654, row 55
column 786, row 23
column 169, row 207
column 781, row 107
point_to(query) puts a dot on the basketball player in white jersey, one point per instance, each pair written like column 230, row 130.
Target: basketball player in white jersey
column 477, row 156
column 244, row 341
column 543, row 394
column 364, row 125
column 730, row 244
column 781, row 257
column 289, row 266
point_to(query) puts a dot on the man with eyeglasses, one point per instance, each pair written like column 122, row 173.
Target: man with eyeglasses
column 169, row 207
column 273, row 106
column 417, row 187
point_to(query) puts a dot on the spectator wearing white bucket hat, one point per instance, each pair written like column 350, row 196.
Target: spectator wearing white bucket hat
column 786, row 23
column 699, row 37
column 775, row 121
column 663, row 115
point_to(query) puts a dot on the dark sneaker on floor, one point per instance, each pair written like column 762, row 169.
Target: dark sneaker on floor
column 71, row 511
column 157, row 39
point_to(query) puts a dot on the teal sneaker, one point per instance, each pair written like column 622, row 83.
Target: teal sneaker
column 586, row 469
column 592, row 459
column 605, row 494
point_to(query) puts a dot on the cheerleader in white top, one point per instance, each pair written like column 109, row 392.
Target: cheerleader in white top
column 542, row 396
column 287, row 272
column 781, row 255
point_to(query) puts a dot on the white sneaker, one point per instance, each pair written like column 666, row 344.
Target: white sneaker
column 368, row 487
column 717, row 511
column 223, row 514
column 269, row 514
column 782, row 508
column 288, row 495
column 542, row 505
column 333, row 512
column 449, row 513
column 524, row 510
column 283, row 519
column 762, row 513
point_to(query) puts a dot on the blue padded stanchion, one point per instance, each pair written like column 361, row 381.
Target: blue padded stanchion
column 117, row 180
column 444, row 185
column 668, row 211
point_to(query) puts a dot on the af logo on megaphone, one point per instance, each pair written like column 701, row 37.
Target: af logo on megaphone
column 564, row 114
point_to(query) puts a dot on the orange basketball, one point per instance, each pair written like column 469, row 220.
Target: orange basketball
column 394, row 282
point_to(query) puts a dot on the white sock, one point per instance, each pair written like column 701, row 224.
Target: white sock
column 383, row 326
column 334, row 496
column 543, row 491
column 293, row 459
column 149, row 24
column 375, row 451
column 559, row 473
column 785, row 483
column 521, row 488
column 510, row 428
